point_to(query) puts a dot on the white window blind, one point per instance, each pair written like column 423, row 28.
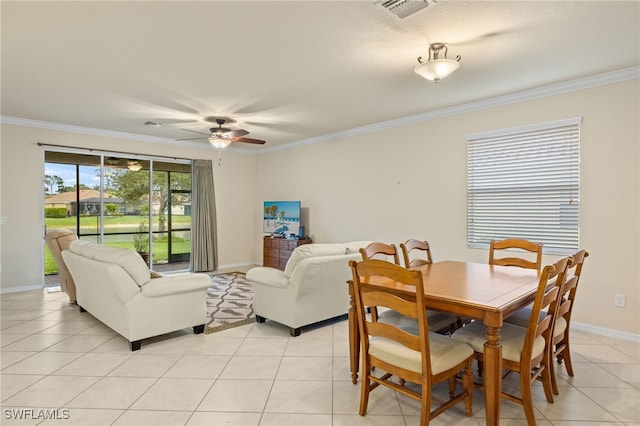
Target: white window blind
column 525, row 183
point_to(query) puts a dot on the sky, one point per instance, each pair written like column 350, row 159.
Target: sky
column 67, row 172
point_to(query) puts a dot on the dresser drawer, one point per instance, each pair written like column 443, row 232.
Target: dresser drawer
column 286, row 254
column 271, row 261
column 277, row 251
column 291, row 245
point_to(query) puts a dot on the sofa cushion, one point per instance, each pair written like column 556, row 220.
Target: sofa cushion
column 83, row 248
column 129, row 260
column 312, row 250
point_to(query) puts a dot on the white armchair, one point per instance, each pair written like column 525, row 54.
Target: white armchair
column 312, row 287
column 116, row 286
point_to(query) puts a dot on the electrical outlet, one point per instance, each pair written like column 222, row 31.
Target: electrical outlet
column 619, row 300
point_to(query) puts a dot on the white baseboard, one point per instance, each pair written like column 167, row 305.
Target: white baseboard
column 236, row 265
column 6, row 290
column 608, row 332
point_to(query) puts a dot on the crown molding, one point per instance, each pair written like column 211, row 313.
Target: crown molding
column 511, row 98
column 82, row 130
column 25, row 122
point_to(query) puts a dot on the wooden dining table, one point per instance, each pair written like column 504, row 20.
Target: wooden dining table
column 469, row 290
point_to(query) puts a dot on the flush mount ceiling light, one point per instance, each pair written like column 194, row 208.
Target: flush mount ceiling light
column 134, row 166
column 437, row 67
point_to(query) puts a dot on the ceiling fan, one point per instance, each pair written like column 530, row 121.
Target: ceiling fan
column 220, row 137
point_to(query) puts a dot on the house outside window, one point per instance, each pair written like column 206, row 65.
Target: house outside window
column 525, row 183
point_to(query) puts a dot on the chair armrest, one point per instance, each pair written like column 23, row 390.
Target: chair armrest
column 268, row 276
column 164, row 286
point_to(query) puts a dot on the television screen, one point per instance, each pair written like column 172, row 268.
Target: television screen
column 281, row 217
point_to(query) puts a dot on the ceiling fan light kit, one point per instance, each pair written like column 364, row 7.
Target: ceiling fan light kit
column 220, row 137
column 134, row 166
column 219, row 142
column 437, row 67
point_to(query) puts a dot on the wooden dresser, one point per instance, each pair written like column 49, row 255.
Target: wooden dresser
column 277, row 251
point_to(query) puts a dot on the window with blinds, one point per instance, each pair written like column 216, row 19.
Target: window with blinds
column 525, row 183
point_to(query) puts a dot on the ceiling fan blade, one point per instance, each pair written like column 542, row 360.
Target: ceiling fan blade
column 192, row 139
column 248, row 140
column 195, row 131
column 236, row 133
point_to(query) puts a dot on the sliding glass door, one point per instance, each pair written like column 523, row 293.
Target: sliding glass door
column 139, row 204
column 171, row 207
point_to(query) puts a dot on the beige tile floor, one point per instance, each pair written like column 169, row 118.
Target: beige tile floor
column 54, row 358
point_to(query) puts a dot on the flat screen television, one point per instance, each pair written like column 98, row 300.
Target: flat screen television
column 281, row 217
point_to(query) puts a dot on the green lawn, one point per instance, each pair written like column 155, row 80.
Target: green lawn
column 90, row 224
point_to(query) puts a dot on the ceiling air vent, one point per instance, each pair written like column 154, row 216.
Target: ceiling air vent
column 404, row 8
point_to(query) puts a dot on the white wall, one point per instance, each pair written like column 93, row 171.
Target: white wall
column 388, row 185
column 410, row 182
column 22, row 171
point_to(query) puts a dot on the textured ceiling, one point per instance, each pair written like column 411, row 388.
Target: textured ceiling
column 289, row 71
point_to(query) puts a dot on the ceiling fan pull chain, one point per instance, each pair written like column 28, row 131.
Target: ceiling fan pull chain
column 219, row 157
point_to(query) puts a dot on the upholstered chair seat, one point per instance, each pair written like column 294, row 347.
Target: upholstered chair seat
column 445, row 353
column 438, row 321
column 512, row 340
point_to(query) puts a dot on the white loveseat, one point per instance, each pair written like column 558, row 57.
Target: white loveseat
column 116, row 286
column 312, row 287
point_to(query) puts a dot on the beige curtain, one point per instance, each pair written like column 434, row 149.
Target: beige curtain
column 204, row 245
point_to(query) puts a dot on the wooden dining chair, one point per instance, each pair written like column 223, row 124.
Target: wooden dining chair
column 447, row 323
column 412, row 245
column 439, row 322
column 561, row 348
column 560, row 344
column 379, row 250
column 383, row 251
column 412, row 354
column 527, row 247
column 526, row 350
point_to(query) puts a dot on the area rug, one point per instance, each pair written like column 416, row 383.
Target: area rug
column 228, row 302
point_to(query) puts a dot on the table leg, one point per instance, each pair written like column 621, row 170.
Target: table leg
column 354, row 337
column 493, row 375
